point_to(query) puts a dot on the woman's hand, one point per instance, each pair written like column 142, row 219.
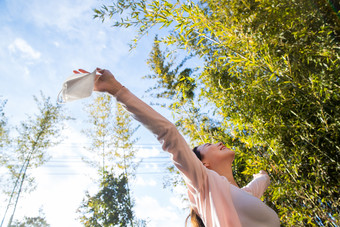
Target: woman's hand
column 104, row 81
column 261, row 173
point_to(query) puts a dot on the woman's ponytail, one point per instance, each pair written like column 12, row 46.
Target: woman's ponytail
column 195, row 219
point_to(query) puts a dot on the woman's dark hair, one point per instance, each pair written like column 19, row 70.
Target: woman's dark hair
column 197, row 153
column 195, row 219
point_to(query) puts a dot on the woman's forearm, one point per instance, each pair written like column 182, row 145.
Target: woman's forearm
column 142, row 112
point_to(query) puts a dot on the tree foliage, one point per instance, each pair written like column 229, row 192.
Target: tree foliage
column 3, row 126
column 110, row 206
column 39, row 221
column 28, row 149
column 34, row 136
column 111, row 134
column 268, row 86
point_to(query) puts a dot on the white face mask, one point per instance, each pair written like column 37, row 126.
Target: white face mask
column 77, row 86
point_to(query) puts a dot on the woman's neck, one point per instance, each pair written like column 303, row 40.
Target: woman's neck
column 227, row 172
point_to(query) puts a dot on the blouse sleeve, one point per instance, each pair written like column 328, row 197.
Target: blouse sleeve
column 172, row 141
column 258, row 185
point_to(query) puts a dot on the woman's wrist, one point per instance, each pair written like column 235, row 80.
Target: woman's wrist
column 115, row 86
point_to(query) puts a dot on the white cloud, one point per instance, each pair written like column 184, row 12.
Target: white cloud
column 147, row 152
column 21, row 47
column 140, row 181
column 181, row 189
column 53, row 193
column 179, row 202
column 149, row 208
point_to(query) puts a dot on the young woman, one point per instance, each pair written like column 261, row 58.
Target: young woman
column 216, row 199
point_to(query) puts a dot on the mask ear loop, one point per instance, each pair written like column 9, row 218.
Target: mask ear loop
column 59, row 98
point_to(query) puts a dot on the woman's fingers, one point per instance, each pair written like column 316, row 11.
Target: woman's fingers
column 83, row 71
column 80, row 71
column 101, row 71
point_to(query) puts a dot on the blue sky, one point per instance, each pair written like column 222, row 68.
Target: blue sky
column 41, row 42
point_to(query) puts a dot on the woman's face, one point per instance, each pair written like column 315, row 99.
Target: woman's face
column 215, row 154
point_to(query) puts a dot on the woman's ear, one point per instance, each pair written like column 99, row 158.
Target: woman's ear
column 206, row 164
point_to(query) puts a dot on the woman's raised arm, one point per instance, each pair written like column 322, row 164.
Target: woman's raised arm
column 172, row 141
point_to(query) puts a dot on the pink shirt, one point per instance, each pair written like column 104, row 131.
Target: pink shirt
column 218, row 203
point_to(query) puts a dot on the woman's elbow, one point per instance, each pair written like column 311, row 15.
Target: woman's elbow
column 169, row 137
